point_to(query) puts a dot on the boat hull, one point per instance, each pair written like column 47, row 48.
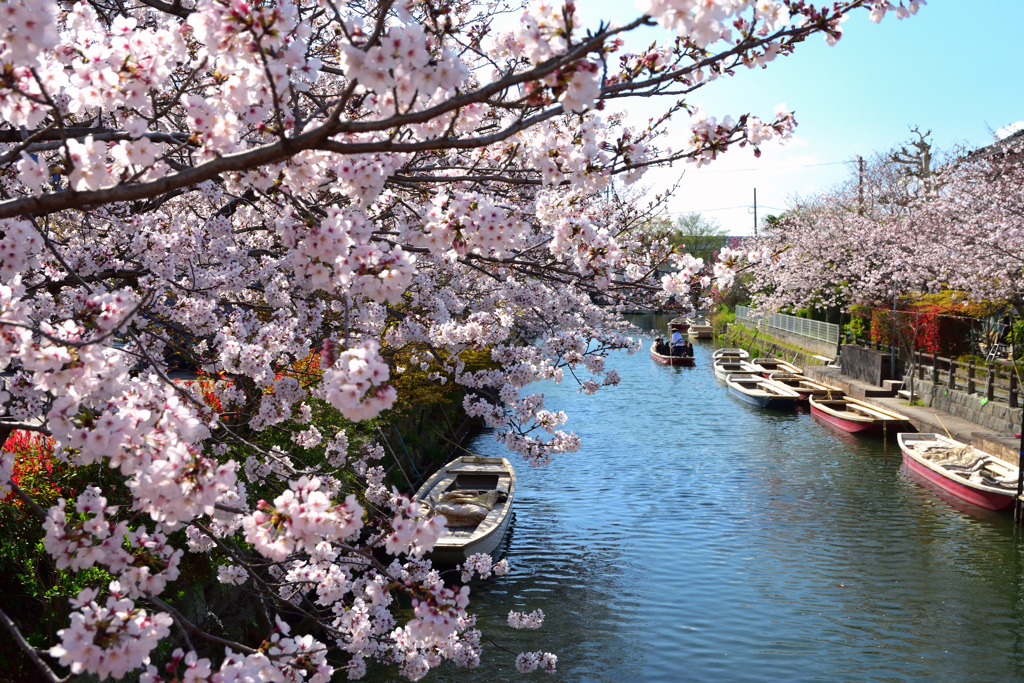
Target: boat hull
column 989, row 500
column 683, row 361
column 730, row 354
column 762, row 393
column 459, row 542
column 724, row 367
column 851, row 426
column 679, row 326
column 767, row 402
column 858, row 417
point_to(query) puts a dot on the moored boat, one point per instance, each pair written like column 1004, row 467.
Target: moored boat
column 965, row 471
column 700, row 329
column 725, row 367
column 807, row 387
column 679, row 324
column 475, row 496
column 852, row 415
column 730, row 354
column 761, row 392
column 667, row 359
column 769, row 366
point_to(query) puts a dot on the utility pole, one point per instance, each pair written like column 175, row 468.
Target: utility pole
column 860, row 185
column 755, row 212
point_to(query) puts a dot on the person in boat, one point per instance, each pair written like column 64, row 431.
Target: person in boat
column 678, row 343
column 660, row 347
column 687, row 348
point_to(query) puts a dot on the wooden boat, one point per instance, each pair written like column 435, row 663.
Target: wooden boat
column 855, row 416
column 475, row 495
column 806, row 387
column 768, row 366
column 700, row 329
column 730, row 354
column 761, row 392
column 725, row 367
column 686, row 361
column 960, row 469
column 680, row 324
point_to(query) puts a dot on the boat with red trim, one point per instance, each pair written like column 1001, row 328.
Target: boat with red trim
column 668, row 359
column 854, row 416
column 963, row 470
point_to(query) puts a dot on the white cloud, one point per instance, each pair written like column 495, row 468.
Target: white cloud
column 1008, row 130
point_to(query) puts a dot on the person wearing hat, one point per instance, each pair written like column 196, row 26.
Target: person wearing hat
column 677, row 343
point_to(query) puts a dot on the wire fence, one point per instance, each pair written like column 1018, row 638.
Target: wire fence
column 812, row 329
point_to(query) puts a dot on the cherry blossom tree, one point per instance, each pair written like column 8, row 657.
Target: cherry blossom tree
column 280, row 195
column 956, row 228
column 851, row 243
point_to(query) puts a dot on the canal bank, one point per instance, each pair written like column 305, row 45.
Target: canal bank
column 969, row 418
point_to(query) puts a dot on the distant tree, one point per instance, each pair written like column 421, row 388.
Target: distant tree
column 699, row 235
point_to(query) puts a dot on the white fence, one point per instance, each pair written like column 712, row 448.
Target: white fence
column 813, row 329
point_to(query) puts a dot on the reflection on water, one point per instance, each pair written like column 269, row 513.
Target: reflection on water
column 696, row 538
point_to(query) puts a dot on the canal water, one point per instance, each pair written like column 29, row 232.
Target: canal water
column 696, row 538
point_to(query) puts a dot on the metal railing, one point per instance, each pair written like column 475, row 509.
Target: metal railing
column 812, row 329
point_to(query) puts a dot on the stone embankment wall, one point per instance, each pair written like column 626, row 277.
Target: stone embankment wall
column 999, row 417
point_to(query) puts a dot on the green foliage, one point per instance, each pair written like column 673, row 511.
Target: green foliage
column 856, row 328
column 1017, row 333
column 722, row 319
column 702, row 237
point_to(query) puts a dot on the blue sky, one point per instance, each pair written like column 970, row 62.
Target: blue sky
column 954, row 68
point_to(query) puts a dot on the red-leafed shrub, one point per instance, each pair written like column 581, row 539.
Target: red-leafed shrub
column 36, row 470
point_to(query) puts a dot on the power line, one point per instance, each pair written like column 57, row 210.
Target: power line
column 771, row 168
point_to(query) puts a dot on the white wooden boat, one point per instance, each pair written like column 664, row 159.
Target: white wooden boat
column 854, row 416
column 726, row 366
column 475, row 495
column 730, row 354
column 761, row 392
column 768, row 366
column 965, row 471
column 806, row 386
column 700, row 329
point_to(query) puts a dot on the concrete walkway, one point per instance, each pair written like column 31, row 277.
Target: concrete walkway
column 1003, row 446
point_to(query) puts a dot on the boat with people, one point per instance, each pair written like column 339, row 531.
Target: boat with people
column 731, row 354
column 724, row 367
column 474, row 494
column 761, row 392
column 676, row 352
column 700, row 328
column 670, row 359
column 769, row 366
column 963, row 470
column 807, row 387
column 855, row 416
